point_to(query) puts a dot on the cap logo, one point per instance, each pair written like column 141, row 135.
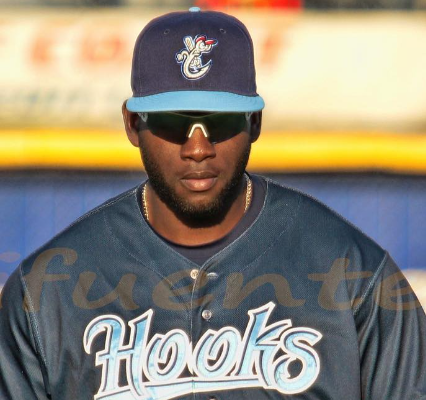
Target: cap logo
column 189, row 58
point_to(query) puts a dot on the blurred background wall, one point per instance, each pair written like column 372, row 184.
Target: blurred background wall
column 345, row 120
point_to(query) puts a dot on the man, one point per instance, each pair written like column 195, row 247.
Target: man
column 207, row 282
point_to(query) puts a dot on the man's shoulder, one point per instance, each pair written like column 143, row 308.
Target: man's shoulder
column 317, row 221
column 88, row 231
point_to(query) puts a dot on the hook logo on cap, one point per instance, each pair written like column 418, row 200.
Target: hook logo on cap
column 190, row 57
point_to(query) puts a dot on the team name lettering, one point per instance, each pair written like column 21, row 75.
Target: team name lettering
column 274, row 357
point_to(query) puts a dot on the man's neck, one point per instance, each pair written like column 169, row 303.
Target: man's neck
column 168, row 225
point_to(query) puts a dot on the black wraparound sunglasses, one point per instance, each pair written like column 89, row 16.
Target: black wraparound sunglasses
column 177, row 127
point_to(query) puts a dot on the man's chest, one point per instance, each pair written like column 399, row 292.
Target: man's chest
column 259, row 331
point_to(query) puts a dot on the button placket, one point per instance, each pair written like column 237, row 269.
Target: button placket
column 206, row 314
column 205, row 283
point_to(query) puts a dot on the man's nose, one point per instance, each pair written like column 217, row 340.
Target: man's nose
column 197, row 147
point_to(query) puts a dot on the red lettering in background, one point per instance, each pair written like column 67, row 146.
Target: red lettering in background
column 41, row 50
column 47, row 38
column 102, row 49
column 272, row 46
column 93, row 47
column 289, row 4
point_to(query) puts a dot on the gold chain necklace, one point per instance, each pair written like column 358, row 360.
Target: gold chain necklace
column 249, row 191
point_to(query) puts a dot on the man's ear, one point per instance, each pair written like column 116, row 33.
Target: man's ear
column 131, row 123
column 256, row 125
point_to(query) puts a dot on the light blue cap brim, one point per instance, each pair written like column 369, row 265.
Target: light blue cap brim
column 195, row 101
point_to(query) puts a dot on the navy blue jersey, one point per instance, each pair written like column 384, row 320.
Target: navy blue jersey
column 301, row 305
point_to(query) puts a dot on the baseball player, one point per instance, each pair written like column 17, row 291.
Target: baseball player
column 206, row 282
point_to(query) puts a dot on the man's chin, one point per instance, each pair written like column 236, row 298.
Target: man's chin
column 207, row 214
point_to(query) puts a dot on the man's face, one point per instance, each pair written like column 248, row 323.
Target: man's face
column 198, row 180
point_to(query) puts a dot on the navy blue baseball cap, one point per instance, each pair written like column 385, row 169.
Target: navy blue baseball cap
column 194, row 61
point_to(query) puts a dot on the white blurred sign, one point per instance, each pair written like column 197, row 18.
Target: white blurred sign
column 417, row 280
column 334, row 70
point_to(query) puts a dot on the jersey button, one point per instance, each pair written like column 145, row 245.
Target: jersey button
column 206, row 314
column 194, row 274
column 212, row 275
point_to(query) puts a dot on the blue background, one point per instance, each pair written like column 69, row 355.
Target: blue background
column 35, row 206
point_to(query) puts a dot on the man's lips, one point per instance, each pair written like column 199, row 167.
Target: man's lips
column 199, row 181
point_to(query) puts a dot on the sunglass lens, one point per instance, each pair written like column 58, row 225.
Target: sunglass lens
column 169, row 126
column 222, row 127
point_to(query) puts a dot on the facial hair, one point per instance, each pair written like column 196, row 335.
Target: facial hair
column 204, row 215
